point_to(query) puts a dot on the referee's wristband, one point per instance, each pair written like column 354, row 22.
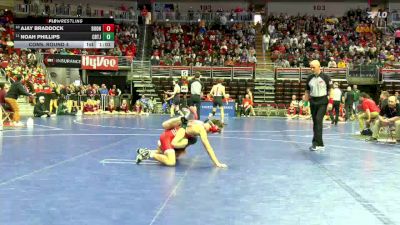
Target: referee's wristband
column 330, row 100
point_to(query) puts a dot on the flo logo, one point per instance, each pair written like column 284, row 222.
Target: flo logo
column 380, row 15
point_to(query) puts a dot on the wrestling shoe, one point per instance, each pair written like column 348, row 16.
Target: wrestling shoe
column 142, row 154
column 317, row 148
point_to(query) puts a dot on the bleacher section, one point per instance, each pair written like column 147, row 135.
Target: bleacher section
column 234, row 88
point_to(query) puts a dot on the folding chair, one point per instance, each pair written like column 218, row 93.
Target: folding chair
column 6, row 114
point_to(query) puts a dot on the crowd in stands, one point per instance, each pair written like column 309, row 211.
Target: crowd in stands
column 206, row 13
column 17, row 61
column 48, row 8
column 201, row 45
column 350, row 40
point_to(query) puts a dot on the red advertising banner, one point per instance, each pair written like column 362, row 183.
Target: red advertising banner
column 97, row 62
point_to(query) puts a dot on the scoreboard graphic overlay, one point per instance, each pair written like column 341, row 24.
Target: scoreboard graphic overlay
column 64, row 33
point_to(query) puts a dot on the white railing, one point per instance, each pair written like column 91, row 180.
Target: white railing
column 301, row 73
column 196, row 16
column 390, row 75
column 205, row 71
column 395, row 18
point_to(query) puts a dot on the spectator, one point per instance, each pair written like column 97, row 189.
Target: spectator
column 396, row 94
column 337, row 97
column 304, row 105
column 332, row 63
column 370, row 111
column 265, row 41
column 397, row 36
column 111, row 108
column 3, row 92
column 383, row 99
column 348, row 103
column 389, row 116
column 138, row 108
column 293, row 108
column 247, row 105
column 145, row 103
column 12, row 95
column 341, row 63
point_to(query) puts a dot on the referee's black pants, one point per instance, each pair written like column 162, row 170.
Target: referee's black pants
column 318, row 112
column 195, row 100
column 336, row 107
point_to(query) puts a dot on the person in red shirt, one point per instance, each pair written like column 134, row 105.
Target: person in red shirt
column 247, row 105
column 112, row 92
column 144, row 12
column 3, row 91
column 370, row 111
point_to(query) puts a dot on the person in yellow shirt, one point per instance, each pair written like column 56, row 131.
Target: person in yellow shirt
column 341, row 64
column 359, row 29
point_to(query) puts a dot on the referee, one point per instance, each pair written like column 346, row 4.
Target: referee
column 318, row 86
column 196, row 87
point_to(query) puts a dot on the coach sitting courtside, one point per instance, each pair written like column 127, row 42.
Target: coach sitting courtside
column 14, row 92
column 389, row 116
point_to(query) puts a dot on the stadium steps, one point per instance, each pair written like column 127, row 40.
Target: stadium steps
column 144, row 86
column 264, row 90
column 144, row 49
column 259, row 51
column 260, row 57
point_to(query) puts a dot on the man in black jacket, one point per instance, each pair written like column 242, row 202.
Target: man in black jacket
column 389, row 116
column 13, row 93
column 40, row 109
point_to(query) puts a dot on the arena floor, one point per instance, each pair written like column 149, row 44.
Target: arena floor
column 80, row 170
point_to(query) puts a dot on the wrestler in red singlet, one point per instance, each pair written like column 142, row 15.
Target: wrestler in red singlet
column 166, row 139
